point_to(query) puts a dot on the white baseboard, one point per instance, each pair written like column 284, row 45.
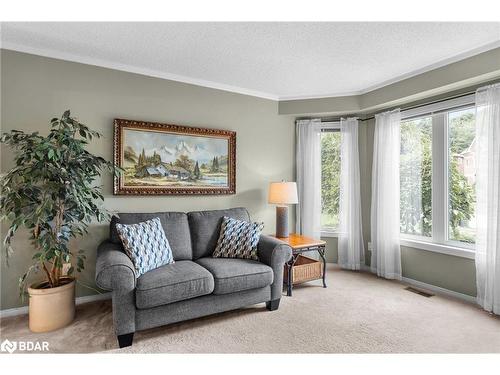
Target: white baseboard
column 439, row 290
column 430, row 287
column 78, row 301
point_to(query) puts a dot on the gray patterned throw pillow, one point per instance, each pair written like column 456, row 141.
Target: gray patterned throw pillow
column 146, row 245
column 238, row 239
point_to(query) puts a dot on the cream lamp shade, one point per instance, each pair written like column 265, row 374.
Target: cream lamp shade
column 283, row 193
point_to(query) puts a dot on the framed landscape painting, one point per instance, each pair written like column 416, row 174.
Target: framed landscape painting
column 164, row 159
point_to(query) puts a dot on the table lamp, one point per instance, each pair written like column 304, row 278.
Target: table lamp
column 282, row 194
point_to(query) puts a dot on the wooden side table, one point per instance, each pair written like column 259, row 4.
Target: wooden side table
column 301, row 244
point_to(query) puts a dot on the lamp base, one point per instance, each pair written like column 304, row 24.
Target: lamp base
column 282, row 221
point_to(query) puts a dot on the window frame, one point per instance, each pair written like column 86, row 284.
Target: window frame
column 331, row 126
column 439, row 241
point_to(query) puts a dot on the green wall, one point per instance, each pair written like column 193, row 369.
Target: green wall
column 332, row 251
column 446, row 271
column 34, row 89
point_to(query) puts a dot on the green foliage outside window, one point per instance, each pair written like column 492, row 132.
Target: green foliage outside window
column 330, row 179
column 417, row 218
column 462, row 197
column 416, row 177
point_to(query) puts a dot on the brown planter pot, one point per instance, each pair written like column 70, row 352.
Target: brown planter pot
column 51, row 308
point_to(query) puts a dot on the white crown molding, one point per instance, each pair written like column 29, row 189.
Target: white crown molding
column 239, row 90
column 320, row 96
column 134, row 69
column 78, row 301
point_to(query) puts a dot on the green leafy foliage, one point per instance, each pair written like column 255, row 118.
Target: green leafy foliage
column 462, row 193
column 330, row 178
column 415, row 173
column 51, row 192
column 462, row 203
column 462, row 132
column 416, row 177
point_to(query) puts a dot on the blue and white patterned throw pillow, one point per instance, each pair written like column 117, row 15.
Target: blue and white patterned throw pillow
column 146, row 245
column 238, row 239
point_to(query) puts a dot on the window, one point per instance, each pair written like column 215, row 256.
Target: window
column 437, row 175
column 416, row 177
column 330, row 178
column 461, row 176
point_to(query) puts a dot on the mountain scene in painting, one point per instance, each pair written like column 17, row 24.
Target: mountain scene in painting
column 165, row 159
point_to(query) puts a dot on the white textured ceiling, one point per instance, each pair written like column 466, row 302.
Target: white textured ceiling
column 274, row 60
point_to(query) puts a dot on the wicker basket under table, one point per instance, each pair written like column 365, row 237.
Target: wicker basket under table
column 305, row 269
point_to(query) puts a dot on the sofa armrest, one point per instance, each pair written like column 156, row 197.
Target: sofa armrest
column 275, row 253
column 114, row 269
column 115, row 272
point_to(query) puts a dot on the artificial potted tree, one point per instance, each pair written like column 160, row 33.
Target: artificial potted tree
column 51, row 191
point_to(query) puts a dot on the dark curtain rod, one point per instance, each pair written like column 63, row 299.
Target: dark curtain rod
column 333, row 119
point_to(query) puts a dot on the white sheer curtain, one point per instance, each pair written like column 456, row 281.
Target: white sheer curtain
column 308, row 210
column 386, row 251
column 488, row 197
column 351, row 246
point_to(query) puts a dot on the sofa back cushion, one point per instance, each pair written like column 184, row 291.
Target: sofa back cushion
column 205, row 228
column 175, row 225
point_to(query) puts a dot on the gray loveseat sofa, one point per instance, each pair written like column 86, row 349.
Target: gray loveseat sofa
column 196, row 284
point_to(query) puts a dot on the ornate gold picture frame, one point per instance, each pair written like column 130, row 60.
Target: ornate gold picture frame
column 165, row 159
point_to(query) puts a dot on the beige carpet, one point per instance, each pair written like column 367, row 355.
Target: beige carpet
column 357, row 313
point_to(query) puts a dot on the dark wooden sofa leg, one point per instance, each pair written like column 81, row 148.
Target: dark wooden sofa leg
column 273, row 305
column 125, row 340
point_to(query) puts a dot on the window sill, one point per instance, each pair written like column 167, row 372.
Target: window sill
column 329, row 234
column 438, row 248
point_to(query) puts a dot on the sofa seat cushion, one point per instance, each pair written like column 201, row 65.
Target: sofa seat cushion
column 234, row 275
column 172, row 283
